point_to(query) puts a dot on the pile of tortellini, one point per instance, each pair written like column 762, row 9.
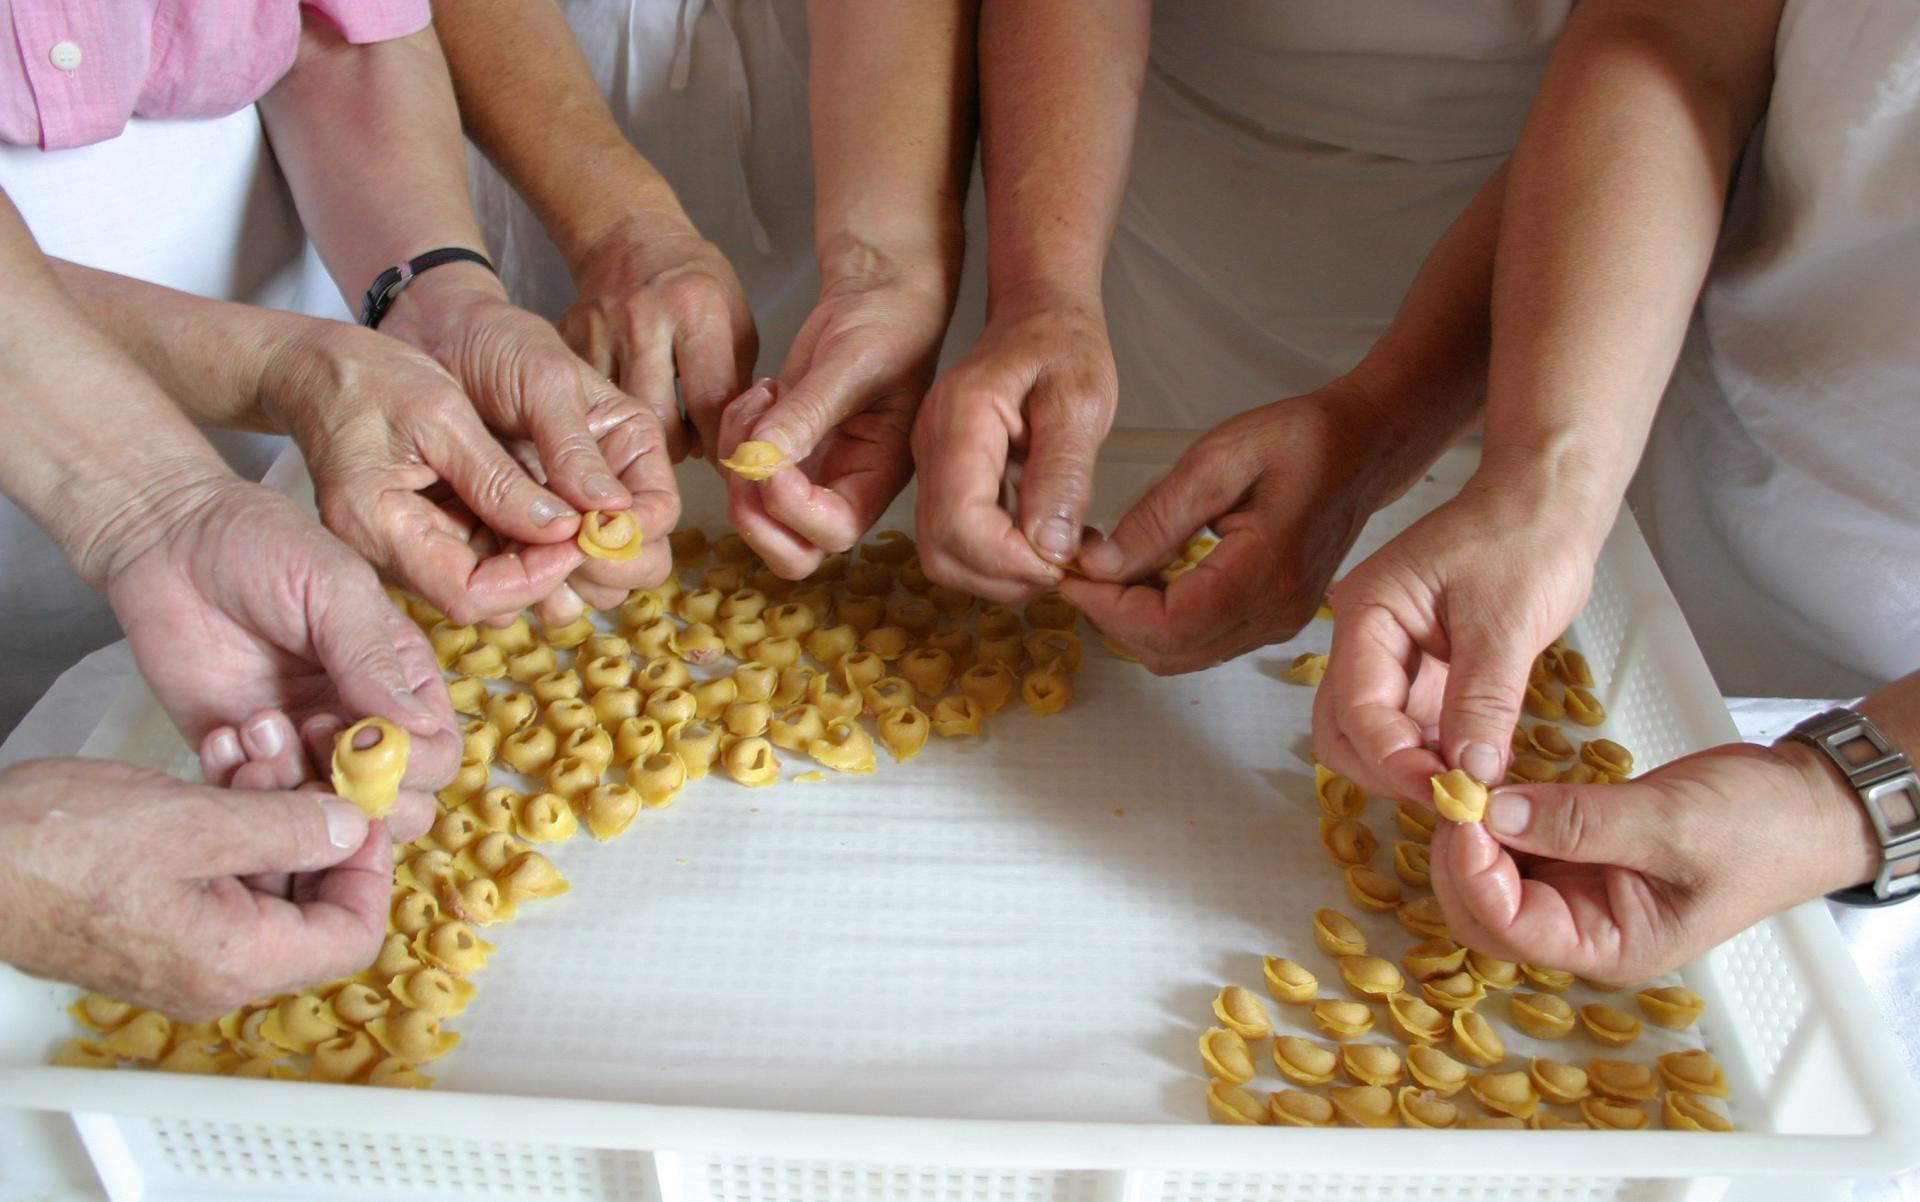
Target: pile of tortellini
column 719, row 671
column 1432, row 1002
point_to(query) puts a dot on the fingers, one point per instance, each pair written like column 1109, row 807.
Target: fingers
column 1362, row 727
column 242, row 832
column 334, row 931
column 382, row 666
column 809, row 406
column 712, row 372
column 1625, row 823
column 865, row 464
column 635, row 445
column 1067, row 423
column 967, row 540
column 432, row 552
column 787, row 553
column 1486, row 683
column 499, row 492
column 1208, row 615
column 1200, row 488
column 646, row 374
column 554, row 406
column 220, row 754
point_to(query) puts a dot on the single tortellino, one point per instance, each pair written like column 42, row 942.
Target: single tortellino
column 1303, row 1061
column 1609, row 1024
column 356, row 1003
column 413, row 911
column 483, row 662
column 904, row 731
column 1371, row 978
column 530, row 665
column 1415, row 1021
column 1005, row 649
column 1046, row 690
column 741, row 633
column 1337, row 935
column 1416, row 822
column 1693, row 1072
column 1342, row 1020
column 1492, row 971
column 81, row 1052
column 712, row 697
column 671, row 706
column 747, row 719
column 659, row 778
column 1370, row 890
column 369, row 760
column 795, row 683
column 751, row 762
column 887, row 693
column 1057, row 649
column 1308, row 668
column 742, row 603
column 1433, row 1069
column 1583, row 707
column 1607, row 756
column 546, row 818
column 988, row 685
column 1622, row 1080
column 698, row 643
column 859, row 669
column 611, row 809
column 478, row 741
column 432, row 991
column 887, row 642
column 1298, row 1108
column 468, row 780
column 530, row 875
column 929, row 668
column 956, row 642
column 951, row 602
column 796, row 726
column 1558, row 1082
column 1230, row 1105
column 571, row 776
column 654, row 640
column 298, row 1023
column 611, row 707
column 874, row 580
column 1423, row 916
column 1545, row 701
column 508, row 712
column 467, row 695
column 1506, row 1093
column 1605, row 1114
column 601, row 644
column 996, row 621
column 755, row 682
column 640, row 609
column 1475, row 1041
column 513, row 638
column 145, row 1036
column 843, row 747
column 957, row 717
column 1413, row 864
column 1532, row 769
column 1687, row 1112
column 1459, row 797
column 344, row 1058
column 1288, row 981
column 1541, row 1015
column 606, row 672
column 1547, row 740
column 701, row 605
column 1453, row 993
column 1226, row 1056
column 831, row 644
column 915, row 615
column 863, row 613
column 1347, row 841
column 1339, row 797
column 451, row 641
column 101, row 1013
column 612, row 535
column 697, row 744
column 396, row 956
column 1425, row 1109
column 567, row 715
column 530, row 751
column 412, row 1036
column 1052, row 611
column 1241, row 1012
column 637, row 738
column 777, row 651
column 663, row 672
column 452, row 945
column 726, row 578
column 1371, row 1064
column 490, row 853
column 1554, row 980
column 834, row 698
column 571, row 635
column 424, row 868
column 1433, row 959
column 1365, row 1105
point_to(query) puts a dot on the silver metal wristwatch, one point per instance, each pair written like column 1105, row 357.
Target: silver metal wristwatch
column 1889, row 788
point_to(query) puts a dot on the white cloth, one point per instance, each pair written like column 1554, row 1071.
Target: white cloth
column 1295, row 162
column 1779, row 491
column 192, row 204
column 714, row 93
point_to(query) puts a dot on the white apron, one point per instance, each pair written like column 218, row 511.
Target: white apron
column 1780, row 490
column 1295, row 163
column 196, row 205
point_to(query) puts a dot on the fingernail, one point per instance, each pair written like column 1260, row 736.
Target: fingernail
column 1101, row 559
column 1481, row 761
column 603, row 486
column 1509, row 813
column 268, row 736
column 544, row 512
column 346, row 823
column 1056, row 537
column 224, row 748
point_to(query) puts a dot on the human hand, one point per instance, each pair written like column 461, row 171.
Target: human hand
column 1287, row 487
column 236, row 602
column 592, row 445
column 840, row 413
column 656, row 299
column 1435, row 633
column 1040, row 382
column 1623, row 882
column 129, row 882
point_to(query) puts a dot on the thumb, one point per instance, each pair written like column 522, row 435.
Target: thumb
column 832, row 389
column 500, row 492
column 1065, row 430
column 353, row 634
column 1199, row 489
column 1486, row 684
column 242, row 833
column 1624, row 824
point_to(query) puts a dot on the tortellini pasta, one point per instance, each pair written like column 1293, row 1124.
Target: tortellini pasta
column 844, row 746
column 1459, row 797
column 613, row 535
column 369, row 760
column 751, row 762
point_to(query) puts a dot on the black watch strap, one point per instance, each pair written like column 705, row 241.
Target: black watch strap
column 1889, row 790
column 387, row 287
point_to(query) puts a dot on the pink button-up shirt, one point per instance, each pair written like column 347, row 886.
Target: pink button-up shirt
column 73, row 71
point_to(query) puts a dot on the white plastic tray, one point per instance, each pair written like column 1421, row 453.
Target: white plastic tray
column 980, row 975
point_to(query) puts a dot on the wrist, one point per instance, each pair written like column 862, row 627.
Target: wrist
column 1014, row 301
column 132, row 518
column 436, row 297
column 1845, row 848
column 1582, row 497
column 646, row 218
column 852, row 260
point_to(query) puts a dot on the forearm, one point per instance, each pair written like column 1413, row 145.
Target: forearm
column 1841, row 837
column 1613, row 206
column 369, row 140
column 93, row 450
column 531, row 104
column 210, row 356
column 892, row 109
column 1059, row 95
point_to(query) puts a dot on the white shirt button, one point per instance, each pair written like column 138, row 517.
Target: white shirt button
column 64, row 55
